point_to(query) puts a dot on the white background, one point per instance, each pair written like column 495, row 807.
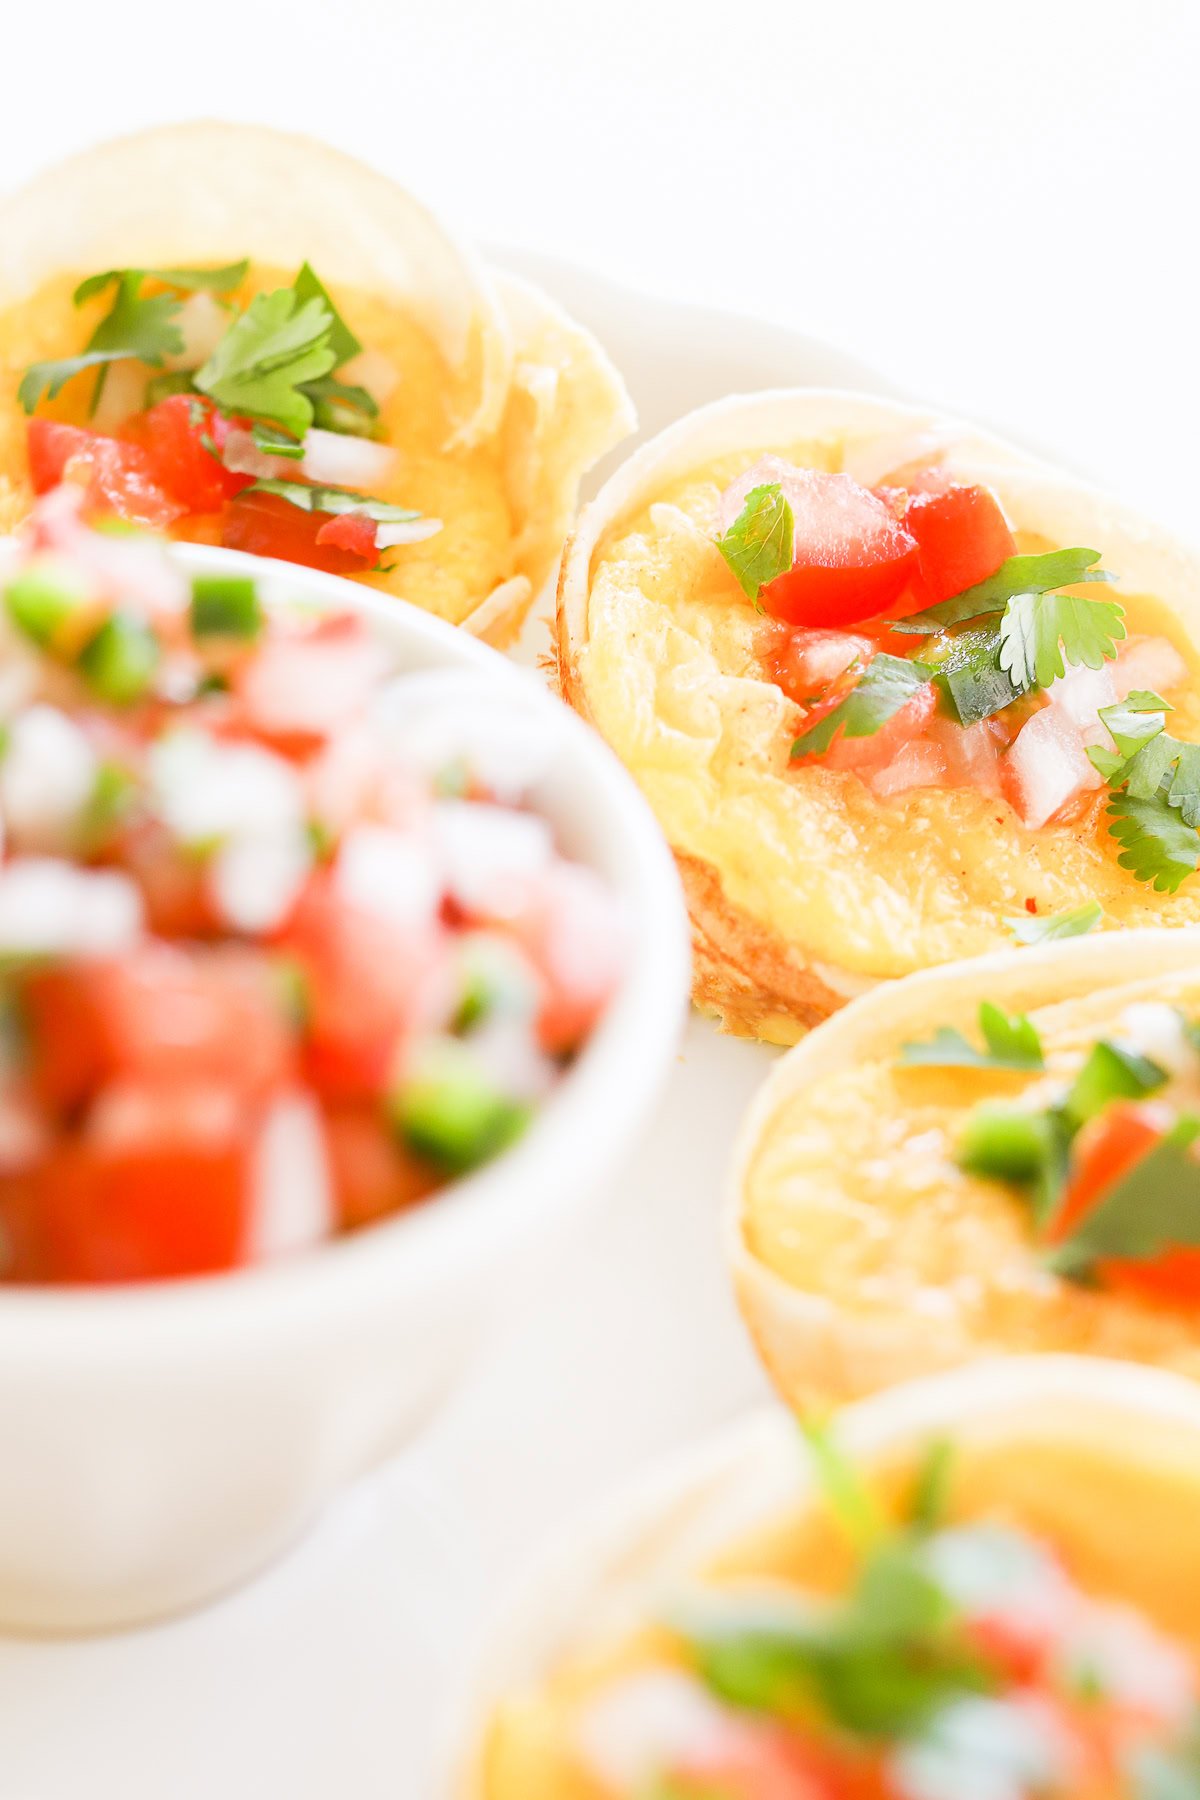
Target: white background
column 996, row 207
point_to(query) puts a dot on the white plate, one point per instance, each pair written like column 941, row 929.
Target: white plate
column 323, row 1677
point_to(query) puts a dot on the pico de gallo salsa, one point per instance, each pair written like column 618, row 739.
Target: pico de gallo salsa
column 1108, row 1163
column 253, row 423
column 924, row 651
column 282, row 950
column 958, row 1660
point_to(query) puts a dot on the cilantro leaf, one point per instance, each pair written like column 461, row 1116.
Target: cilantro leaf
column 1047, row 928
column 186, row 281
column 335, row 500
column 342, row 341
column 886, row 684
column 759, row 544
column 1132, row 723
column 1039, row 630
column 1012, row 1043
column 1153, row 1207
column 260, row 364
column 879, row 1663
column 133, row 327
column 1157, row 845
column 1016, row 576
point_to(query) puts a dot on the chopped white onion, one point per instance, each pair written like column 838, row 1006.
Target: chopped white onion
column 390, row 874
column 1150, row 664
column 123, row 394
column 1049, row 766
column 242, row 455
column 292, row 1206
column 205, row 791
column 1156, row 1030
column 490, row 855
column 371, row 370
column 1079, row 693
column 412, row 531
column 436, row 719
column 646, row 1723
column 337, row 459
column 47, row 777
column 256, row 880
column 136, row 570
column 203, row 322
column 52, row 908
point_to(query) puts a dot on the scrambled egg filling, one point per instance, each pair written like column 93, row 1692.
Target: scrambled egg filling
column 899, row 1231
column 673, row 678
column 448, row 574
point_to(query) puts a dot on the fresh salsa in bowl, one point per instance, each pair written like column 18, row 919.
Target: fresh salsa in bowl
column 285, row 946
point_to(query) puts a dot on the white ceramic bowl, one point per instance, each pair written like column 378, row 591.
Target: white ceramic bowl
column 615, row 1570
column 161, row 1442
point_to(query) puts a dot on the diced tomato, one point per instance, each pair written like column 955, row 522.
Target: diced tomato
column 166, row 1015
column 806, row 663
column 173, row 884
column 1107, row 1149
column 302, row 688
column 268, row 525
column 852, row 559
column 771, row 1765
column 373, row 1175
column 361, row 978
column 963, row 538
column 116, row 477
column 574, row 936
column 157, row 1184
column 350, row 531
column 172, row 434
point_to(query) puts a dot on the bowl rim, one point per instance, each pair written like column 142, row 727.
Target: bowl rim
column 588, row 1120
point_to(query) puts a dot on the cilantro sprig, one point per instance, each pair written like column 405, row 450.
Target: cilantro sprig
column 137, row 326
column 1010, row 1042
column 886, row 684
column 1017, row 576
column 269, row 352
column 1155, row 781
column 758, row 545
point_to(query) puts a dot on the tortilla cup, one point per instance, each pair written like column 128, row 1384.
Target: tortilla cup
column 501, row 401
column 804, row 888
column 862, row 1254
column 1071, row 1451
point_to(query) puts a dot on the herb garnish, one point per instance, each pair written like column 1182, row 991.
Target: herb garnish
column 759, row 545
column 1047, row 928
column 886, row 684
column 1153, row 1207
column 1016, row 576
column 335, row 500
column 269, row 351
column 136, row 325
column 1011, row 1043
